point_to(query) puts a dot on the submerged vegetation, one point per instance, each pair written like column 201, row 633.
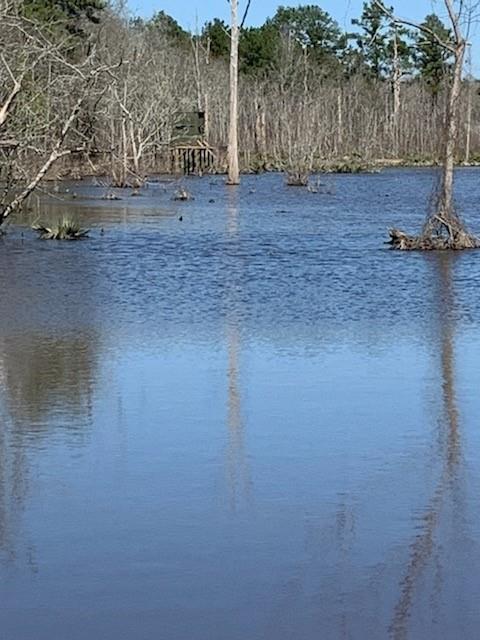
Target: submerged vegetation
column 63, row 229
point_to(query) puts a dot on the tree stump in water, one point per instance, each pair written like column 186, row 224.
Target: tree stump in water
column 297, row 178
column 438, row 234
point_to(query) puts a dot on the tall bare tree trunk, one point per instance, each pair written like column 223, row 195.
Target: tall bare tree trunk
column 340, row 121
column 468, row 140
column 233, row 168
column 396, row 82
column 444, row 220
column 451, row 132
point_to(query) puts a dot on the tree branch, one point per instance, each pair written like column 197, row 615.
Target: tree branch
column 454, row 19
column 247, row 8
column 17, row 85
column 415, row 25
column 55, row 154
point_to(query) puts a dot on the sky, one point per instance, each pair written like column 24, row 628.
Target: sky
column 193, row 13
column 187, row 12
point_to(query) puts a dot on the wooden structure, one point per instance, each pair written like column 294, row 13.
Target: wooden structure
column 192, row 159
column 189, row 151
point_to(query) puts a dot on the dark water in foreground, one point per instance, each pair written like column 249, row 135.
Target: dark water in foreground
column 254, row 423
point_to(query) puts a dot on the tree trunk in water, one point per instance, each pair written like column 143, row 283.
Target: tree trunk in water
column 445, row 200
column 233, row 168
column 443, row 228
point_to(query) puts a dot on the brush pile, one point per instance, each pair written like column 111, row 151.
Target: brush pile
column 297, row 178
column 441, row 231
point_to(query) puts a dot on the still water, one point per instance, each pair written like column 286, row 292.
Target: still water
column 253, row 422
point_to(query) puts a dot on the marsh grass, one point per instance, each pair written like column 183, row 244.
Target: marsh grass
column 64, row 229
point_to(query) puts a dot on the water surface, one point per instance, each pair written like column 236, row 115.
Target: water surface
column 251, row 422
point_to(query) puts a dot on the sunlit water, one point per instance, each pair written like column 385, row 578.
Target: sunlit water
column 254, row 422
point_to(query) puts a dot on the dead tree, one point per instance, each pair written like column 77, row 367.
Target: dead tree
column 233, row 164
column 470, row 83
column 396, row 86
column 443, row 228
column 71, row 84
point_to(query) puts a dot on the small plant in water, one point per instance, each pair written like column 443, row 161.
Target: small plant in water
column 182, row 195
column 64, row 229
column 297, row 178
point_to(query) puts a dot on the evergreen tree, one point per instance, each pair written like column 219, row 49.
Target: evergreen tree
column 380, row 41
column 258, row 45
column 313, row 29
column 70, row 14
column 433, row 61
column 218, row 35
column 372, row 40
column 168, row 27
column 259, row 49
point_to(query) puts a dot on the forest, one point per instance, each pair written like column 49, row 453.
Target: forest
column 87, row 88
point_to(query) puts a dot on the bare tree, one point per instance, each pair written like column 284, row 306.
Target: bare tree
column 41, row 136
column 443, row 228
column 233, row 164
column 470, row 83
column 289, row 118
column 396, row 85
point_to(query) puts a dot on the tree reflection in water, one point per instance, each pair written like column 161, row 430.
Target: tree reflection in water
column 237, row 465
column 424, row 544
column 42, row 374
column 40, row 377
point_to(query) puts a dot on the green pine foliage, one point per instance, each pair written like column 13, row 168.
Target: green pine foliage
column 313, row 29
column 376, row 42
column 433, row 62
column 259, row 49
column 68, row 13
column 167, row 26
column 217, row 35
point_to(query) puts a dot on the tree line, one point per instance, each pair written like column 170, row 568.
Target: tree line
column 86, row 87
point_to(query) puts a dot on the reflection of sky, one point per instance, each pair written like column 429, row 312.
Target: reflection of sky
column 140, row 515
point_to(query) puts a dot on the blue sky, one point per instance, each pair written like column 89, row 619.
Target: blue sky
column 186, row 11
column 189, row 13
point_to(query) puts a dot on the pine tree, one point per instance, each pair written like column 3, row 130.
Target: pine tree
column 382, row 44
column 433, row 61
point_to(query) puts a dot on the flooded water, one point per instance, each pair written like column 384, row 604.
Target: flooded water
column 240, row 417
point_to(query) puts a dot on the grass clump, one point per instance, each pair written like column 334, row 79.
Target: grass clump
column 63, row 229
